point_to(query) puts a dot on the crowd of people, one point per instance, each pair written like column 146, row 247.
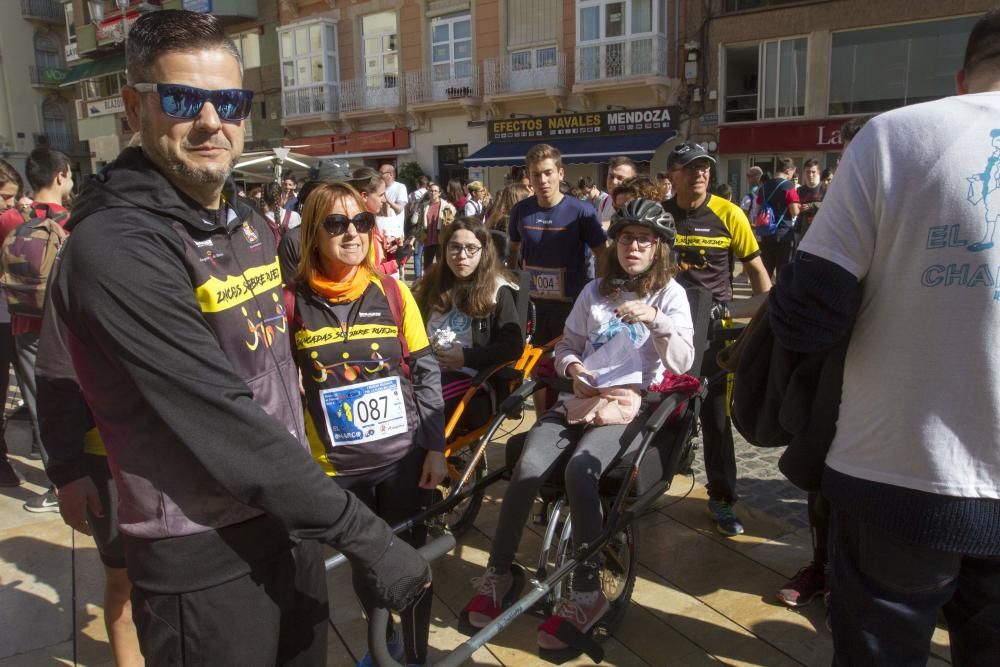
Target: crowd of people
column 219, row 383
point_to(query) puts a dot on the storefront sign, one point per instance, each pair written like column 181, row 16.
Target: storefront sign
column 812, row 135
column 370, row 141
column 72, row 54
column 603, row 123
column 52, row 75
column 104, row 107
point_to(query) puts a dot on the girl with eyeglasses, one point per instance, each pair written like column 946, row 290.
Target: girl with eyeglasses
column 372, row 386
column 636, row 306
column 472, row 298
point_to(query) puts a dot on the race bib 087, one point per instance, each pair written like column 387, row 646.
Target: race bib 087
column 364, row 412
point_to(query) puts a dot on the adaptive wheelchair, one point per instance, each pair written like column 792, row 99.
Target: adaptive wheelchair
column 640, row 477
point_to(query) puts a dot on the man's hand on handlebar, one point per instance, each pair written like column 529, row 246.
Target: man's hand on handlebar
column 399, row 577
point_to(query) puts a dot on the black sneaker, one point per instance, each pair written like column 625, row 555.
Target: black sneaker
column 47, row 502
column 8, row 475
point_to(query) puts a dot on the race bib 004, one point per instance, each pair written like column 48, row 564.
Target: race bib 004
column 364, row 412
column 547, row 283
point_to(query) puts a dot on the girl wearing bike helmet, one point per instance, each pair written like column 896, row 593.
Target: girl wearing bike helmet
column 634, row 296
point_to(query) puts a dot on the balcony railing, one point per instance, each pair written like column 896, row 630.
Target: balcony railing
column 622, row 58
column 504, row 75
column 424, row 85
column 63, row 142
column 381, row 91
column 729, row 6
column 47, row 10
column 46, row 76
column 740, row 108
column 308, row 100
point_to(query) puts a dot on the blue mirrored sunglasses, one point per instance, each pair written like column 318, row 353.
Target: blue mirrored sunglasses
column 185, row 102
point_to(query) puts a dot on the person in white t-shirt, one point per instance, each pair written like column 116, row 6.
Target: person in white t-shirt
column 391, row 222
column 894, row 260
column 620, row 169
column 477, row 199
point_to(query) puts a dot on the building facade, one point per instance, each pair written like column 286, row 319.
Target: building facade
column 782, row 76
column 451, row 84
column 34, row 109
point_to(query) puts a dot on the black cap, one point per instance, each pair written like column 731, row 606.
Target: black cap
column 687, row 153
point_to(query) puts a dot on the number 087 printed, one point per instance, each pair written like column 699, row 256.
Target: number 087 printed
column 364, row 412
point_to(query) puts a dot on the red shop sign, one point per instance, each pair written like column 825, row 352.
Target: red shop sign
column 808, row 135
column 369, row 141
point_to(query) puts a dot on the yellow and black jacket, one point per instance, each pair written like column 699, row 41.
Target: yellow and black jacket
column 363, row 348
column 709, row 239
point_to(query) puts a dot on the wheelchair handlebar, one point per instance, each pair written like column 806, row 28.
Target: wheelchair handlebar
column 379, row 621
column 667, row 404
column 512, row 402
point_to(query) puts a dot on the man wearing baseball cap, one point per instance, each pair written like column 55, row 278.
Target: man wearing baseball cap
column 711, row 233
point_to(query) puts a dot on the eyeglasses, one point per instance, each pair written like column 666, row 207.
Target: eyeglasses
column 695, row 168
column 336, row 224
column 186, row 102
column 456, row 250
column 643, row 240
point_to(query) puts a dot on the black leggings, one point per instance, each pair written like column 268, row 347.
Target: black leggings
column 430, row 254
column 717, row 431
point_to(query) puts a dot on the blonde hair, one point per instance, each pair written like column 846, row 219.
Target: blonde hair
column 318, row 205
column 505, row 201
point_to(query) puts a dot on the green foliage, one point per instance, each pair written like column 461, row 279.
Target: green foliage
column 408, row 173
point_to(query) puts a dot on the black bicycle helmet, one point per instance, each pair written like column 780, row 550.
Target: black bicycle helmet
column 645, row 213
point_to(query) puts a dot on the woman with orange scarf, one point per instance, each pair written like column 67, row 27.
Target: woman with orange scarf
column 374, row 412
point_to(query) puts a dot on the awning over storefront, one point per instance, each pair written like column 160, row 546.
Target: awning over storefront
column 94, row 69
column 575, row 150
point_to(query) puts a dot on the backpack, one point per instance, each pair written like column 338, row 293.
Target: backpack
column 765, row 223
column 28, row 255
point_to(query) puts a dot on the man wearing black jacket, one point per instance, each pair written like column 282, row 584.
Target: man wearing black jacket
column 171, row 294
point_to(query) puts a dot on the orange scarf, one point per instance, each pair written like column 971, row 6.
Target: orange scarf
column 342, row 292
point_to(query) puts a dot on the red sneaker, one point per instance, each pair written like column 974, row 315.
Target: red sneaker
column 494, row 593
column 582, row 610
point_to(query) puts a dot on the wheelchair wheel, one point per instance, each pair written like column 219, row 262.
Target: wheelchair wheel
column 461, row 518
column 619, row 567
